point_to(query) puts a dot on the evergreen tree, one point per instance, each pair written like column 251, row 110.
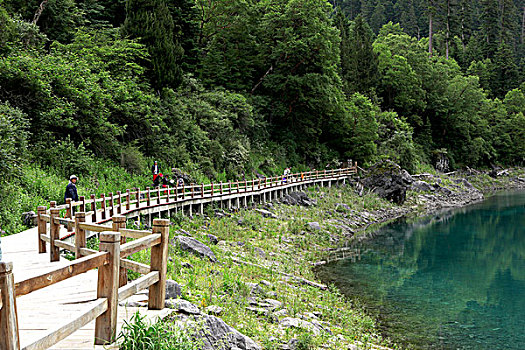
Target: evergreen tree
column 490, row 27
column 378, row 17
column 367, row 9
column 185, row 18
column 360, row 72
column 505, row 71
column 152, row 23
column 406, row 16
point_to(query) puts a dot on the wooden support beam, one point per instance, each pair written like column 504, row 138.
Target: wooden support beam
column 54, row 252
column 119, row 202
column 103, row 206
column 159, row 262
column 138, row 285
column 108, row 278
column 128, row 199
column 80, row 234
column 135, row 266
column 93, row 208
column 94, row 227
column 119, row 223
column 9, row 336
column 134, row 233
column 42, row 228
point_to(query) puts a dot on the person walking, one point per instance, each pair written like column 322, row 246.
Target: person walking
column 155, row 170
column 71, row 189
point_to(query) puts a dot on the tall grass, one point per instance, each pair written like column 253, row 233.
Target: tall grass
column 138, row 334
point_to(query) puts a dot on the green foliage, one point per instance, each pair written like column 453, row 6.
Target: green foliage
column 359, row 62
column 152, row 23
column 138, row 334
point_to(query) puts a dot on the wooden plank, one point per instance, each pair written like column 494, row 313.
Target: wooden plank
column 135, row 266
column 45, row 238
column 93, row 227
column 138, row 285
column 74, row 268
column 65, row 245
column 134, row 233
column 69, row 327
column 139, row 244
column 45, row 217
column 63, row 221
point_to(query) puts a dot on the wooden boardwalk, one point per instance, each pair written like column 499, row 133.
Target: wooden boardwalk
column 57, row 300
column 48, row 308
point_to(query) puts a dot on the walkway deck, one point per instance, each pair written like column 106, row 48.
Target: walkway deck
column 48, row 308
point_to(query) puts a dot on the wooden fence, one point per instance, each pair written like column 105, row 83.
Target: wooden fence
column 112, row 283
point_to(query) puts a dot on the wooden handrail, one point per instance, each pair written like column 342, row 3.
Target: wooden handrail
column 139, row 284
column 76, row 267
column 139, row 244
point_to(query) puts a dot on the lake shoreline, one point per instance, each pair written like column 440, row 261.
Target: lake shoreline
column 420, row 204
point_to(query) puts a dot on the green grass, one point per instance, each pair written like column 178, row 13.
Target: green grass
column 138, row 334
column 278, row 246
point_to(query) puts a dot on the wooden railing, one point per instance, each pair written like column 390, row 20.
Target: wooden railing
column 112, row 283
column 133, row 199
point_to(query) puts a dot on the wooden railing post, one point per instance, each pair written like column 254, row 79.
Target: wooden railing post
column 42, row 229
column 83, row 204
column 159, row 262
column 168, row 194
column 202, row 190
column 52, row 204
column 212, row 190
column 137, row 197
column 94, row 208
column 118, row 223
column 108, row 276
column 54, row 233
column 111, row 205
column 119, row 202
column 103, row 206
column 148, row 196
column 128, row 199
column 9, row 336
column 221, row 186
column 158, row 195
column 80, row 234
column 68, row 208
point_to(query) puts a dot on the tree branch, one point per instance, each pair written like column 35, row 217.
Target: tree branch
column 39, row 11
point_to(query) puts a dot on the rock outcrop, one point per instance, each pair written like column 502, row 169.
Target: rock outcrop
column 196, row 247
column 388, row 181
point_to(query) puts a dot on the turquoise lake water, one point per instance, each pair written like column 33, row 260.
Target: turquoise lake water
column 455, row 280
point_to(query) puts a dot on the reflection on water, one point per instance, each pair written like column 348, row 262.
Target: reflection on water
column 452, row 281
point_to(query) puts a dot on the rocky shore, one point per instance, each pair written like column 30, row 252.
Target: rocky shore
column 245, row 278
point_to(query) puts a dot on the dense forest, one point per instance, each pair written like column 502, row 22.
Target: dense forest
column 224, row 88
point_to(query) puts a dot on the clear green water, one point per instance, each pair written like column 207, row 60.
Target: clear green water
column 452, row 281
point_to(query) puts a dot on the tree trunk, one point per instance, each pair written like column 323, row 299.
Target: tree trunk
column 463, row 26
column 430, row 15
column 447, row 37
column 523, row 26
